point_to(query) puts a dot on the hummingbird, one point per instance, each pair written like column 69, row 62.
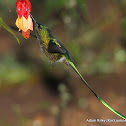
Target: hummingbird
column 56, row 52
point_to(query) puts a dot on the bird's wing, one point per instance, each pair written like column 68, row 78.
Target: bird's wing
column 54, row 47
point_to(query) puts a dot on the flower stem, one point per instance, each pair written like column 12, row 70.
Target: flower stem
column 7, row 5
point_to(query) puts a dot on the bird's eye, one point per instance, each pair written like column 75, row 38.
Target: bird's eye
column 39, row 27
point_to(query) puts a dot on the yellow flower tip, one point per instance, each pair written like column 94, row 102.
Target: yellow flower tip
column 24, row 24
column 30, row 23
column 17, row 23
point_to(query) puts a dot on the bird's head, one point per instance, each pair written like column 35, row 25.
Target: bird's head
column 42, row 30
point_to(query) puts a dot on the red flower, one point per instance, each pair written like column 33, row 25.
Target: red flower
column 24, row 21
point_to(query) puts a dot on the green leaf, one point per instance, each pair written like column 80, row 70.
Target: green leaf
column 1, row 21
column 8, row 29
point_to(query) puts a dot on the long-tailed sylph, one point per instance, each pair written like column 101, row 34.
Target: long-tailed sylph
column 56, row 52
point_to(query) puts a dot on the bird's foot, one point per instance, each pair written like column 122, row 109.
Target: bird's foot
column 52, row 63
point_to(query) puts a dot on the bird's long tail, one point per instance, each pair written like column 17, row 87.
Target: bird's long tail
column 76, row 70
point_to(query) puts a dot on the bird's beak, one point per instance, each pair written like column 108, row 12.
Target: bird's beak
column 33, row 19
column 36, row 21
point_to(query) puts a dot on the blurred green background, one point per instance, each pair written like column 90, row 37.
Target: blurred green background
column 33, row 93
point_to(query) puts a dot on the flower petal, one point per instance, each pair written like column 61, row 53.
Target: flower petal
column 23, row 8
column 24, row 24
column 26, row 34
column 17, row 23
column 30, row 23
